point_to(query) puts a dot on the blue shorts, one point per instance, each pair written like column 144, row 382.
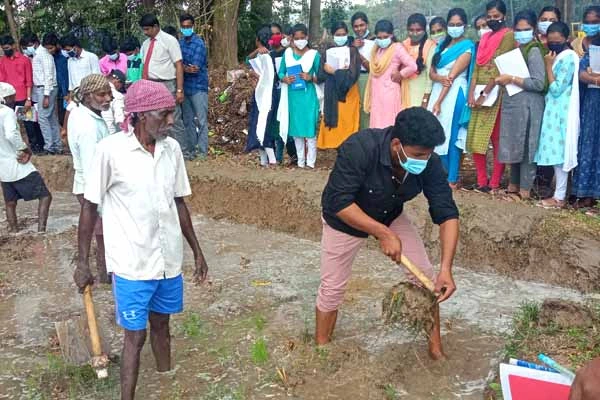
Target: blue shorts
column 135, row 299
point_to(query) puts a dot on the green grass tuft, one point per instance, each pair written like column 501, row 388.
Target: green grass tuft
column 259, row 352
column 192, row 325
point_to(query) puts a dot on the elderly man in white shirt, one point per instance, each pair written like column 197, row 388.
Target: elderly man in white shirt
column 139, row 179
column 20, row 179
column 163, row 62
column 45, row 90
column 85, row 129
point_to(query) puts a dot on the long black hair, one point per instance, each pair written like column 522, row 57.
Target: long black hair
column 263, row 35
column 463, row 17
column 386, row 26
column 499, row 5
column 563, row 29
column 552, row 9
column 339, row 25
column 527, row 15
column 420, row 20
column 438, row 20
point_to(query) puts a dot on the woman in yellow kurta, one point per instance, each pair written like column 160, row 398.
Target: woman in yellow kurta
column 341, row 108
column 417, row 88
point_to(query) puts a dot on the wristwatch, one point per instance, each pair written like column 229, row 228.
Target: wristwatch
column 179, row 90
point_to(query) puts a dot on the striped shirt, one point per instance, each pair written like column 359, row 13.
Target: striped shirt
column 44, row 70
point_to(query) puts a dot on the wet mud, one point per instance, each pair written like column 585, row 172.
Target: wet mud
column 247, row 334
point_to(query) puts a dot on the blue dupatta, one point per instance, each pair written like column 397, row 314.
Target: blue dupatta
column 451, row 54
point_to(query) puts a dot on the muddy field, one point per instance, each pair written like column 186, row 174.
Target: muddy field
column 247, row 334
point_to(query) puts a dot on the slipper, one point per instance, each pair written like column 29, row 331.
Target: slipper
column 551, row 204
column 513, row 197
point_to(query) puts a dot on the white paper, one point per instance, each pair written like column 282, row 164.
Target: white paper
column 491, row 98
column 594, row 62
column 278, row 63
column 545, row 376
column 513, row 63
column 338, row 57
column 366, row 51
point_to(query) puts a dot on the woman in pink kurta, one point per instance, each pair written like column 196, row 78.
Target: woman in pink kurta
column 390, row 64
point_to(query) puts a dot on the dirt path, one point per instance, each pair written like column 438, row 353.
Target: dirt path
column 257, row 317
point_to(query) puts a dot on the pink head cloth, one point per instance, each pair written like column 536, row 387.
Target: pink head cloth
column 145, row 95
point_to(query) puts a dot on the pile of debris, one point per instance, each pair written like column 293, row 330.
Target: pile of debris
column 230, row 97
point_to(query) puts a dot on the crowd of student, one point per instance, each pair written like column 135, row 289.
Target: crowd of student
column 47, row 73
column 548, row 128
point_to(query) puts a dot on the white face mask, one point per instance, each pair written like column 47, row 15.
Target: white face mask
column 483, row 31
column 300, row 44
column 285, row 42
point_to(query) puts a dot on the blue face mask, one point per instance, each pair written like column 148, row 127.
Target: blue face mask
column 524, row 37
column 412, row 165
column 383, row 43
column 340, row 40
column 543, row 26
column 590, row 29
column 131, row 57
column 114, row 57
column 187, row 32
column 456, row 31
column 29, row 51
column 64, row 53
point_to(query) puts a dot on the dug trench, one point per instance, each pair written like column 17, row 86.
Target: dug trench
column 247, row 335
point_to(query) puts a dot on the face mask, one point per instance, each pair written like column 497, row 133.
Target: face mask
column 9, row 53
column 301, row 44
column 131, row 57
column 366, row 35
column 524, row 37
column 340, row 40
column 556, row 47
column 383, row 43
column 64, row 53
column 72, row 54
column 495, row 24
column 29, row 51
column 438, row 37
column 543, row 26
column 114, row 57
column 187, row 32
column 412, row 165
column 483, row 31
column 456, row 31
column 416, row 37
column 285, row 42
column 590, row 29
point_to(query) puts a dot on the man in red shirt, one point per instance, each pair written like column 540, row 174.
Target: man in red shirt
column 16, row 70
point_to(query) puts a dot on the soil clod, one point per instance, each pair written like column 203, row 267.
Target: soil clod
column 411, row 306
column 565, row 314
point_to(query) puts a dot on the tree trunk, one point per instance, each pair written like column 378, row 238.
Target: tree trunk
column 565, row 7
column 10, row 16
column 224, row 44
column 314, row 22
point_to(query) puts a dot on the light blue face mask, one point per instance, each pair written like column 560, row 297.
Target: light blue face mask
column 340, row 40
column 64, row 53
column 187, row 32
column 412, row 165
column 590, row 29
column 543, row 26
column 524, row 37
column 131, row 57
column 114, row 57
column 383, row 43
column 456, row 31
column 30, row 51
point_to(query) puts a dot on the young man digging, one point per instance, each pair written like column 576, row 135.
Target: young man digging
column 20, row 179
column 139, row 178
column 376, row 172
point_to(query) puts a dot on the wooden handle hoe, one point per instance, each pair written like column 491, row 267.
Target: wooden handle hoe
column 99, row 361
column 416, row 271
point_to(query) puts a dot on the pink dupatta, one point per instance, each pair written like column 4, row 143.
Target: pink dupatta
column 488, row 45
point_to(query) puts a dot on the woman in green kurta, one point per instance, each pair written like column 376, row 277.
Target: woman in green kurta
column 485, row 121
column 300, row 104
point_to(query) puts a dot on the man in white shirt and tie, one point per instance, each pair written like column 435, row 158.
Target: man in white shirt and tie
column 163, row 62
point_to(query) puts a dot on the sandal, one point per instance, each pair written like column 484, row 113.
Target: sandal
column 514, row 197
column 551, row 204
